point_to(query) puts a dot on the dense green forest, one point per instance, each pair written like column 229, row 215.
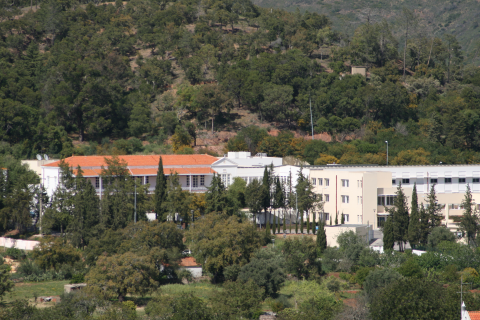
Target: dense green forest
column 123, row 77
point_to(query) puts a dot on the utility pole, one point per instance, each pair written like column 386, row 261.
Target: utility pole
column 461, row 294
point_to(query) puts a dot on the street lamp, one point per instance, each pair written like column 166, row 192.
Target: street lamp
column 387, row 150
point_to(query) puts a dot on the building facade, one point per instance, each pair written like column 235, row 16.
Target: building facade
column 363, row 193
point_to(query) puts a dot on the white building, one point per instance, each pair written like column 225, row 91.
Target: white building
column 364, row 192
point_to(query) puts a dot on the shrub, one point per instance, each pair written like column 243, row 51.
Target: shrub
column 15, row 253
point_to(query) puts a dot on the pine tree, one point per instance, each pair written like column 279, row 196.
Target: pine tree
column 399, row 212
column 415, row 225
column 321, row 237
column 470, row 221
column 388, row 235
column 160, row 190
column 336, row 218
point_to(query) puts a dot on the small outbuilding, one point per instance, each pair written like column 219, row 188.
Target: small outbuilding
column 190, row 264
column 362, row 70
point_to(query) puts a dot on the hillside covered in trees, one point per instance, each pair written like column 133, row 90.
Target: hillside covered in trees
column 153, row 76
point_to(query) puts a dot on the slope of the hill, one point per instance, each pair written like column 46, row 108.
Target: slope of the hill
column 460, row 18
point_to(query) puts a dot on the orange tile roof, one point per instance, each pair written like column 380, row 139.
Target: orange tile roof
column 474, row 315
column 189, row 262
column 167, row 171
column 140, row 160
column 89, row 172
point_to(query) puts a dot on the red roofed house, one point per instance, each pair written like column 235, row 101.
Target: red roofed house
column 195, row 171
column 469, row 315
column 190, row 264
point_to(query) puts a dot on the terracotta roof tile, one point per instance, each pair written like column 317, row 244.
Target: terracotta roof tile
column 474, row 315
column 189, row 262
column 167, row 171
column 139, row 160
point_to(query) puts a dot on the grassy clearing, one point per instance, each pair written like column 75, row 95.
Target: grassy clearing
column 27, row 290
column 202, row 290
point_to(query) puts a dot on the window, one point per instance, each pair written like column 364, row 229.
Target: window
column 390, row 200
column 381, row 200
column 394, row 181
column 147, row 179
column 202, row 180
column 226, row 179
column 195, row 181
column 448, row 180
column 359, row 200
column 327, row 182
column 405, row 181
column 327, row 216
column 345, row 183
column 188, row 181
column 433, row 180
column 380, row 222
column 345, row 199
column 327, row 197
column 476, row 180
column 359, row 183
column 314, row 181
column 320, row 181
column 461, row 180
column 346, row 217
column 97, row 182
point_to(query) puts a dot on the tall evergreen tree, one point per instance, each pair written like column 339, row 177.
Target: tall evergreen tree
column 176, row 199
column 268, row 232
column 217, row 199
column 253, row 199
column 388, row 234
column 284, row 222
column 274, row 225
column 433, row 209
column 424, row 225
column 414, row 227
column 321, row 237
column 336, row 218
column 278, row 198
column 308, row 224
column 266, row 192
column 160, row 192
column 343, row 219
column 314, row 228
column 83, row 226
column 470, row 221
column 399, row 213
column 305, row 196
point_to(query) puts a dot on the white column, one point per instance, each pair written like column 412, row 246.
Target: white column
column 191, row 183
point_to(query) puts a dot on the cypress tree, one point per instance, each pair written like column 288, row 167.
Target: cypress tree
column 470, row 222
column 274, row 227
column 415, row 225
column 266, row 186
column 267, row 229
column 278, row 224
column 314, row 224
column 321, row 237
column 424, row 229
column 308, row 224
column 388, row 236
column 284, row 222
column 160, row 192
column 336, row 218
column 330, row 220
column 433, row 210
column 399, row 213
column 343, row 219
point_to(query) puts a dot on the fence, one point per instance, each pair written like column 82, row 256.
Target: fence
column 17, row 243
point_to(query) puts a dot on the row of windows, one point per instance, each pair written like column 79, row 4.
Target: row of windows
column 321, row 182
column 435, row 180
column 386, row 200
column 345, row 182
column 195, row 181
